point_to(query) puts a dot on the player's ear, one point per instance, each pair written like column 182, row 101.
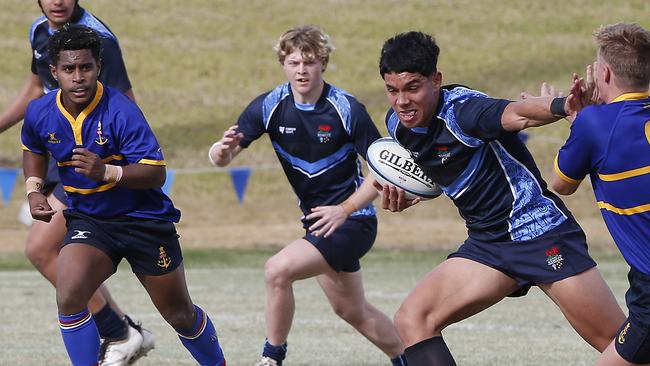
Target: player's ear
column 53, row 72
column 436, row 78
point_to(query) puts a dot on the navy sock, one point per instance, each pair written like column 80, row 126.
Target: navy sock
column 399, row 361
column 429, row 352
column 202, row 342
column 109, row 324
column 277, row 353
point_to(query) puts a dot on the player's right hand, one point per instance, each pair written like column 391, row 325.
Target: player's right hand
column 39, row 207
column 231, row 138
column 394, row 199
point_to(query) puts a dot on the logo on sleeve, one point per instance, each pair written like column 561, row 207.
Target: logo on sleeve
column 37, row 55
column 554, row 258
column 324, row 133
column 163, row 260
column 100, row 140
column 52, row 138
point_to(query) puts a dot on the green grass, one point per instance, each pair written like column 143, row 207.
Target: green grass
column 229, row 285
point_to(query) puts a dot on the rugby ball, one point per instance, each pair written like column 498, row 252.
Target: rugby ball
column 390, row 163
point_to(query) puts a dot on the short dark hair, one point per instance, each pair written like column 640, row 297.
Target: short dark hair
column 73, row 37
column 414, row 52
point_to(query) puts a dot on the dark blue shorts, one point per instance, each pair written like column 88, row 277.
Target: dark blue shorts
column 52, row 182
column 349, row 242
column 633, row 340
column 150, row 246
column 556, row 255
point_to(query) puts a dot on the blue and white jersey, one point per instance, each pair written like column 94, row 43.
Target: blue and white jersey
column 488, row 172
column 111, row 126
column 317, row 145
column 113, row 72
column 611, row 144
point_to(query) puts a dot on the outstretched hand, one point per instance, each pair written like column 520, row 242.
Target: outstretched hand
column 221, row 152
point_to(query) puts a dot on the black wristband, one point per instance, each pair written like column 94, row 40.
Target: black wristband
column 557, row 107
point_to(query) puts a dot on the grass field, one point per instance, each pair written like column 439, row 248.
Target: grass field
column 229, row 285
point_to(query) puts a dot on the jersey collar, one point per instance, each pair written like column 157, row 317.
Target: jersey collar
column 79, row 121
column 630, row 96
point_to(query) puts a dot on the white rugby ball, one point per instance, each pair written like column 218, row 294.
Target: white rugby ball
column 390, row 163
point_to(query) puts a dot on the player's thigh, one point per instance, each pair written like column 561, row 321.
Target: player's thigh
column 46, row 238
column 298, row 260
column 583, row 298
column 610, row 357
column 344, row 290
column 456, row 289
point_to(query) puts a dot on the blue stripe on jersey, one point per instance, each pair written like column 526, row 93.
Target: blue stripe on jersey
column 337, row 97
column 318, row 167
column 463, row 181
column 458, row 94
column 532, row 213
column 391, row 125
column 36, row 23
column 271, row 102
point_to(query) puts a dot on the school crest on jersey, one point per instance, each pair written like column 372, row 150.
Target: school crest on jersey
column 443, row 153
column 554, row 258
column 100, row 140
column 52, row 138
column 324, row 133
column 163, row 260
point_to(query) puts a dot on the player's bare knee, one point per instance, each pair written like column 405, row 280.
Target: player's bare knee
column 351, row 313
column 69, row 302
column 179, row 318
column 39, row 256
column 276, row 273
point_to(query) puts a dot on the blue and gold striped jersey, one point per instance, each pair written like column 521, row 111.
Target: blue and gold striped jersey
column 611, row 143
column 317, row 145
column 111, row 126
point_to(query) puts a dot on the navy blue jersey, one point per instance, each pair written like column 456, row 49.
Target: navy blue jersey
column 113, row 72
column 316, row 145
column 488, row 172
column 111, row 126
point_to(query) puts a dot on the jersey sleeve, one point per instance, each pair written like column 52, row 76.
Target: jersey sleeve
column 137, row 142
column 251, row 122
column 113, row 72
column 364, row 131
column 29, row 136
column 480, row 117
column 575, row 158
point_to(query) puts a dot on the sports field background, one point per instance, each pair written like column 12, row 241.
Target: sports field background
column 195, row 65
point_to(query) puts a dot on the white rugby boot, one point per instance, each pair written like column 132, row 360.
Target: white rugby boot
column 267, row 361
column 118, row 352
column 148, row 339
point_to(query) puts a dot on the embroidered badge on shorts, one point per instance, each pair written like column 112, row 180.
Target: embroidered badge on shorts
column 163, row 260
column 623, row 333
column 554, row 258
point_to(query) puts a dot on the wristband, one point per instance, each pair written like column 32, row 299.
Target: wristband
column 113, row 173
column 348, row 207
column 557, row 107
column 33, row 184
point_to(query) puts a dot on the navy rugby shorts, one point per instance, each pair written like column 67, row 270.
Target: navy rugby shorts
column 557, row 254
column 633, row 339
column 349, row 242
column 150, row 246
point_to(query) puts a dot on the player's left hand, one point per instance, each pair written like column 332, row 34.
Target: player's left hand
column 394, row 199
column 328, row 218
column 88, row 164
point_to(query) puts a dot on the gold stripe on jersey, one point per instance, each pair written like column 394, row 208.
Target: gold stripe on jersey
column 77, row 123
column 624, row 175
column 152, row 162
column 104, row 160
column 101, row 188
column 563, row 176
column 630, row 96
column 624, row 211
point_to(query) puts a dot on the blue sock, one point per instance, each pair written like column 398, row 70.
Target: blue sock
column 109, row 324
column 277, row 353
column 80, row 337
column 202, row 342
column 399, row 361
